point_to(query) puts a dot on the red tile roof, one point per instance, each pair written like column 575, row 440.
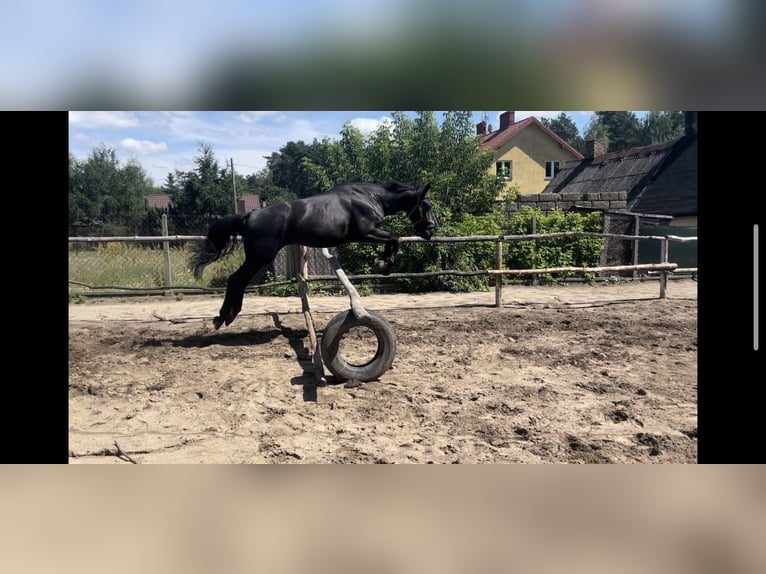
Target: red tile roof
column 248, row 203
column 158, row 200
column 498, row 138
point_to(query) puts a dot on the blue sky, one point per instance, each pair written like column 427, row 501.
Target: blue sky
column 163, row 141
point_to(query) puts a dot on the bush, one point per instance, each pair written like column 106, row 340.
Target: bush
column 555, row 252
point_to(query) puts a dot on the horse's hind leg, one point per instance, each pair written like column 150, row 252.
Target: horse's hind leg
column 235, row 290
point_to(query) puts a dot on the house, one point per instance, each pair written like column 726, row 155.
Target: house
column 246, row 203
column 659, row 182
column 527, row 153
column 158, row 200
column 659, row 179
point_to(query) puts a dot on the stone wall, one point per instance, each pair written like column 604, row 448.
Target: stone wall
column 547, row 202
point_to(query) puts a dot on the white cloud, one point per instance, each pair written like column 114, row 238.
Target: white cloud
column 369, row 125
column 103, row 119
column 254, row 117
column 143, row 147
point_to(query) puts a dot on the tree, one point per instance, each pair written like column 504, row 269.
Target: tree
column 262, row 184
column 659, row 127
column 103, row 191
column 462, row 179
column 204, row 191
column 413, row 150
column 287, row 169
column 565, row 127
column 623, row 129
column 596, row 130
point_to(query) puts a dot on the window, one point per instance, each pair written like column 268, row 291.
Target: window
column 504, row 169
column 551, row 167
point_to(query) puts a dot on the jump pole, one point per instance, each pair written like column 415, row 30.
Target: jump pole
column 357, row 308
column 319, row 376
column 356, row 301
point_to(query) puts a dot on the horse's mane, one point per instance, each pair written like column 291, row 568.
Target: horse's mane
column 391, row 185
column 396, row 186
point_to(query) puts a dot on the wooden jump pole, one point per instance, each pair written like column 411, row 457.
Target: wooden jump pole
column 316, row 353
column 356, row 301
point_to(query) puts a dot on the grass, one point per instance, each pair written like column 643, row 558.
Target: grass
column 135, row 266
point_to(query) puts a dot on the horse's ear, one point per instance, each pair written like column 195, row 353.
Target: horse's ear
column 424, row 191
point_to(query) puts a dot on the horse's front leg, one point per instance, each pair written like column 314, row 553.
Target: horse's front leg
column 388, row 256
column 389, row 251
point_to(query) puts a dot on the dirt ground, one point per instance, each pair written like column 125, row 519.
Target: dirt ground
column 560, row 374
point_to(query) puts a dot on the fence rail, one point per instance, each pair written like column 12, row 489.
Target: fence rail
column 162, row 279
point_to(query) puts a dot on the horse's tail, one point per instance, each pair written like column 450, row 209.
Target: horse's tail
column 221, row 240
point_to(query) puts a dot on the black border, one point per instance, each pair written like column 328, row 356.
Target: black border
column 729, row 369
column 35, row 392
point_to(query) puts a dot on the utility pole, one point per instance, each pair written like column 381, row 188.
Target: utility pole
column 233, row 184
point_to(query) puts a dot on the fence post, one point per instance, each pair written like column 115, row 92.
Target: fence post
column 636, row 225
column 315, row 351
column 167, row 277
column 535, row 278
column 663, row 273
column 499, row 278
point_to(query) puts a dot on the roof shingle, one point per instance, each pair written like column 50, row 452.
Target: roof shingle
column 659, row 179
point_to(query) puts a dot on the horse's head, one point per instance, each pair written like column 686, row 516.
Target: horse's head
column 422, row 215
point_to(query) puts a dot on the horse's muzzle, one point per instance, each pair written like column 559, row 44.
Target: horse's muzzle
column 427, row 233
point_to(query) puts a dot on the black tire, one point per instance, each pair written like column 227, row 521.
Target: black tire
column 339, row 366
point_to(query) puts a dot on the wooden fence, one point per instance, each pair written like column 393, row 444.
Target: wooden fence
column 663, row 267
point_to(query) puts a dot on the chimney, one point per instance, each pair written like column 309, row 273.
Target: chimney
column 593, row 148
column 481, row 128
column 506, row 119
column 690, row 123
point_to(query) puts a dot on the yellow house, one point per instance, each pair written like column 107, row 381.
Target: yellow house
column 527, row 153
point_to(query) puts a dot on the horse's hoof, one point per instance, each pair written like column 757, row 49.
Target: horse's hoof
column 381, row 264
column 217, row 322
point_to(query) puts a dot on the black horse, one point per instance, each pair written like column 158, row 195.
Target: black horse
column 348, row 213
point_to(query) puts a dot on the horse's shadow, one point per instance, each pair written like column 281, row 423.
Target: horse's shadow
column 297, row 339
column 242, row 339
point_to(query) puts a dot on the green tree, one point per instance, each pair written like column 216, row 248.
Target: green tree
column 378, row 149
column 171, row 184
column 204, row 191
column 462, row 180
column 413, row 150
column 596, row 130
column 287, row 167
column 565, row 127
column 262, row 184
column 623, row 129
column 102, row 191
column 662, row 126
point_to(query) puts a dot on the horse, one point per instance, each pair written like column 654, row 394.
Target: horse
column 348, row 213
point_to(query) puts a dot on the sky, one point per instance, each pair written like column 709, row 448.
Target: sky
column 165, row 141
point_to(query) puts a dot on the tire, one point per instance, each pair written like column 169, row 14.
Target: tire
column 339, row 366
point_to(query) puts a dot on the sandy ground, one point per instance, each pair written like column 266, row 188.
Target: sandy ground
column 559, row 374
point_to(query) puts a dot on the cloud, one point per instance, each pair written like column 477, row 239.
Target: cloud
column 254, row 117
column 103, row 119
column 369, row 125
column 143, row 147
